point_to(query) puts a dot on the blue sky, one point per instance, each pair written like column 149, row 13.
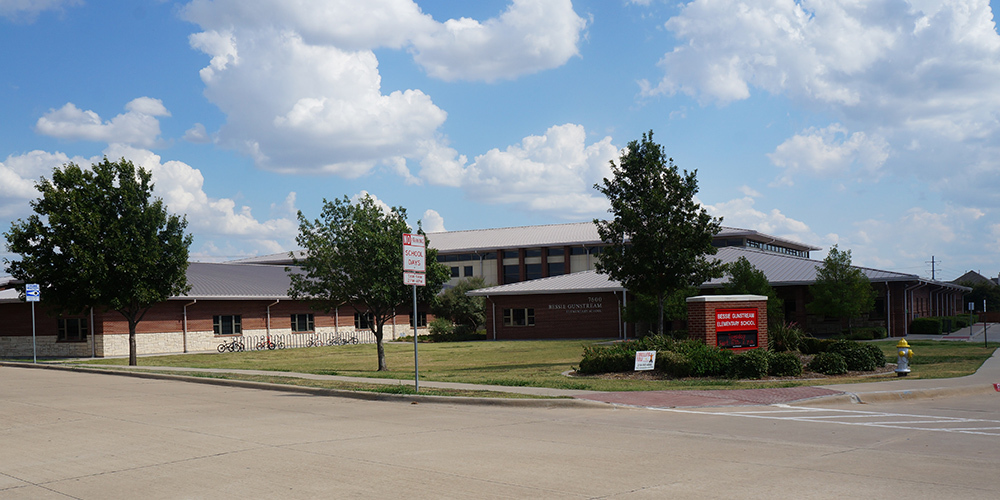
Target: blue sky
column 870, row 125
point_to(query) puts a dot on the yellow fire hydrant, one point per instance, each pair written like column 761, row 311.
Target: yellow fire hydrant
column 903, row 355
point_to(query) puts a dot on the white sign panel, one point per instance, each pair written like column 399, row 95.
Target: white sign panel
column 413, row 253
column 417, row 279
column 645, row 360
column 33, row 293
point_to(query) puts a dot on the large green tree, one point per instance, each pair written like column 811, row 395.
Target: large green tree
column 660, row 238
column 744, row 278
column 460, row 308
column 841, row 291
column 354, row 256
column 98, row 238
column 981, row 291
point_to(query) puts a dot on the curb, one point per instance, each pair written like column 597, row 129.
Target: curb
column 318, row 391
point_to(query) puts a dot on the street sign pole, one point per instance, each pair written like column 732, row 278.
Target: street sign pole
column 33, row 293
column 414, row 268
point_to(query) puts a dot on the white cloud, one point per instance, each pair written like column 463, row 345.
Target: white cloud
column 19, row 174
column 830, row 152
column 554, row 173
column 741, row 213
column 197, row 134
column 530, row 36
column 309, row 69
column 915, row 78
column 28, row 10
column 432, row 221
column 138, row 126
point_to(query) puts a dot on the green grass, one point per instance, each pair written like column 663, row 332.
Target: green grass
column 529, row 363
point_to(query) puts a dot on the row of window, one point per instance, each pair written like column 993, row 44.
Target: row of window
column 514, row 254
column 76, row 329
column 232, row 324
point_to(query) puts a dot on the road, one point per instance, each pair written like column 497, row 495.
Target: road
column 90, row 436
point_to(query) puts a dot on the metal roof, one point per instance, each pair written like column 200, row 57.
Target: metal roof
column 579, row 233
column 236, row 281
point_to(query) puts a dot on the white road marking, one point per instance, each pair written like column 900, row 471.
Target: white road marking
column 879, row 419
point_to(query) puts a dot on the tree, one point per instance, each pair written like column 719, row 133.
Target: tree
column 99, row 239
column 841, row 291
column 659, row 239
column 744, row 278
column 460, row 308
column 982, row 290
column 354, row 255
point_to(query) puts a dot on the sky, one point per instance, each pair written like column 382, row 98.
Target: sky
column 873, row 126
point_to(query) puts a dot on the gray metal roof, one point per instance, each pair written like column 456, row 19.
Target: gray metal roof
column 236, row 281
column 733, row 232
column 581, row 282
column 579, row 233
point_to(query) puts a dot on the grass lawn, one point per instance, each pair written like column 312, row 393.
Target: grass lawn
column 531, row 363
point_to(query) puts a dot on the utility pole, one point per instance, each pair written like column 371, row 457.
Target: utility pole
column 933, row 268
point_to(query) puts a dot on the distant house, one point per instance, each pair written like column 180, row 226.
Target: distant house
column 974, row 278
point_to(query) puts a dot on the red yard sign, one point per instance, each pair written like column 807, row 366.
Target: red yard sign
column 736, row 328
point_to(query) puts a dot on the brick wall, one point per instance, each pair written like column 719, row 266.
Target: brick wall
column 557, row 316
column 701, row 315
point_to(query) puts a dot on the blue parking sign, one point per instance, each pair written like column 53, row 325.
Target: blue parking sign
column 32, row 293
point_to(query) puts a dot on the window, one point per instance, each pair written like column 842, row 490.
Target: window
column 303, row 323
column 512, row 273
column 557, row 268
column 364, row 321
column 72, row 329
column 421, row 319
column 556, row 252
column 534, row 252
column 519, row 317
column 468, row 271
column 227, row 325
column 533, row 271
column 510, row 254
column 454, row 272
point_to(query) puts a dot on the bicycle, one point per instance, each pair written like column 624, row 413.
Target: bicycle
column 266, row 344
column 314, row 341
column 343, row 341
column 233, row 346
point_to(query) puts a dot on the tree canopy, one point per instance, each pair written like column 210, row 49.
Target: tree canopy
column 660, row 238
column 354, row 256
column 840, row 291
column 460, row 308
column 98, row 238
column 744, row 278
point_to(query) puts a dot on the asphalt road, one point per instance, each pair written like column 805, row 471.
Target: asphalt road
column 81, row 435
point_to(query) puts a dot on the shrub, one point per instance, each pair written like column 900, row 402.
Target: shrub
column 751, row 364
column 867, row 333
column 784, row 337
column 877, row 356
column 442, row 326
column 829, row 363
column 673, row 364
column 855, row 356
column 706, row 361
column 607, row 359
column 812, row 345
column 926, row 326
column 784, row 364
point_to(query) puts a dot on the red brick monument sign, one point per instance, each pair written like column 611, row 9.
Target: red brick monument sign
column 729, row 321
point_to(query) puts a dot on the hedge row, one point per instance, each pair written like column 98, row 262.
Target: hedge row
column 693, row 358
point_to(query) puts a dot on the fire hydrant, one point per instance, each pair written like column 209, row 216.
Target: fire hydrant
column 903, row 355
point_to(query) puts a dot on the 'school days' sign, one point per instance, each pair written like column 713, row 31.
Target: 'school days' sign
column 736, row 328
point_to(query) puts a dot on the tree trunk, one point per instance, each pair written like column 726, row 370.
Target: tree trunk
column 659, row 325
column 382, row 367
column 132, row 361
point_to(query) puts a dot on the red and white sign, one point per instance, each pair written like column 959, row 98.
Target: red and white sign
column 645, row 360
column 417, row 279
column 413, row 253
column 735, row 320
